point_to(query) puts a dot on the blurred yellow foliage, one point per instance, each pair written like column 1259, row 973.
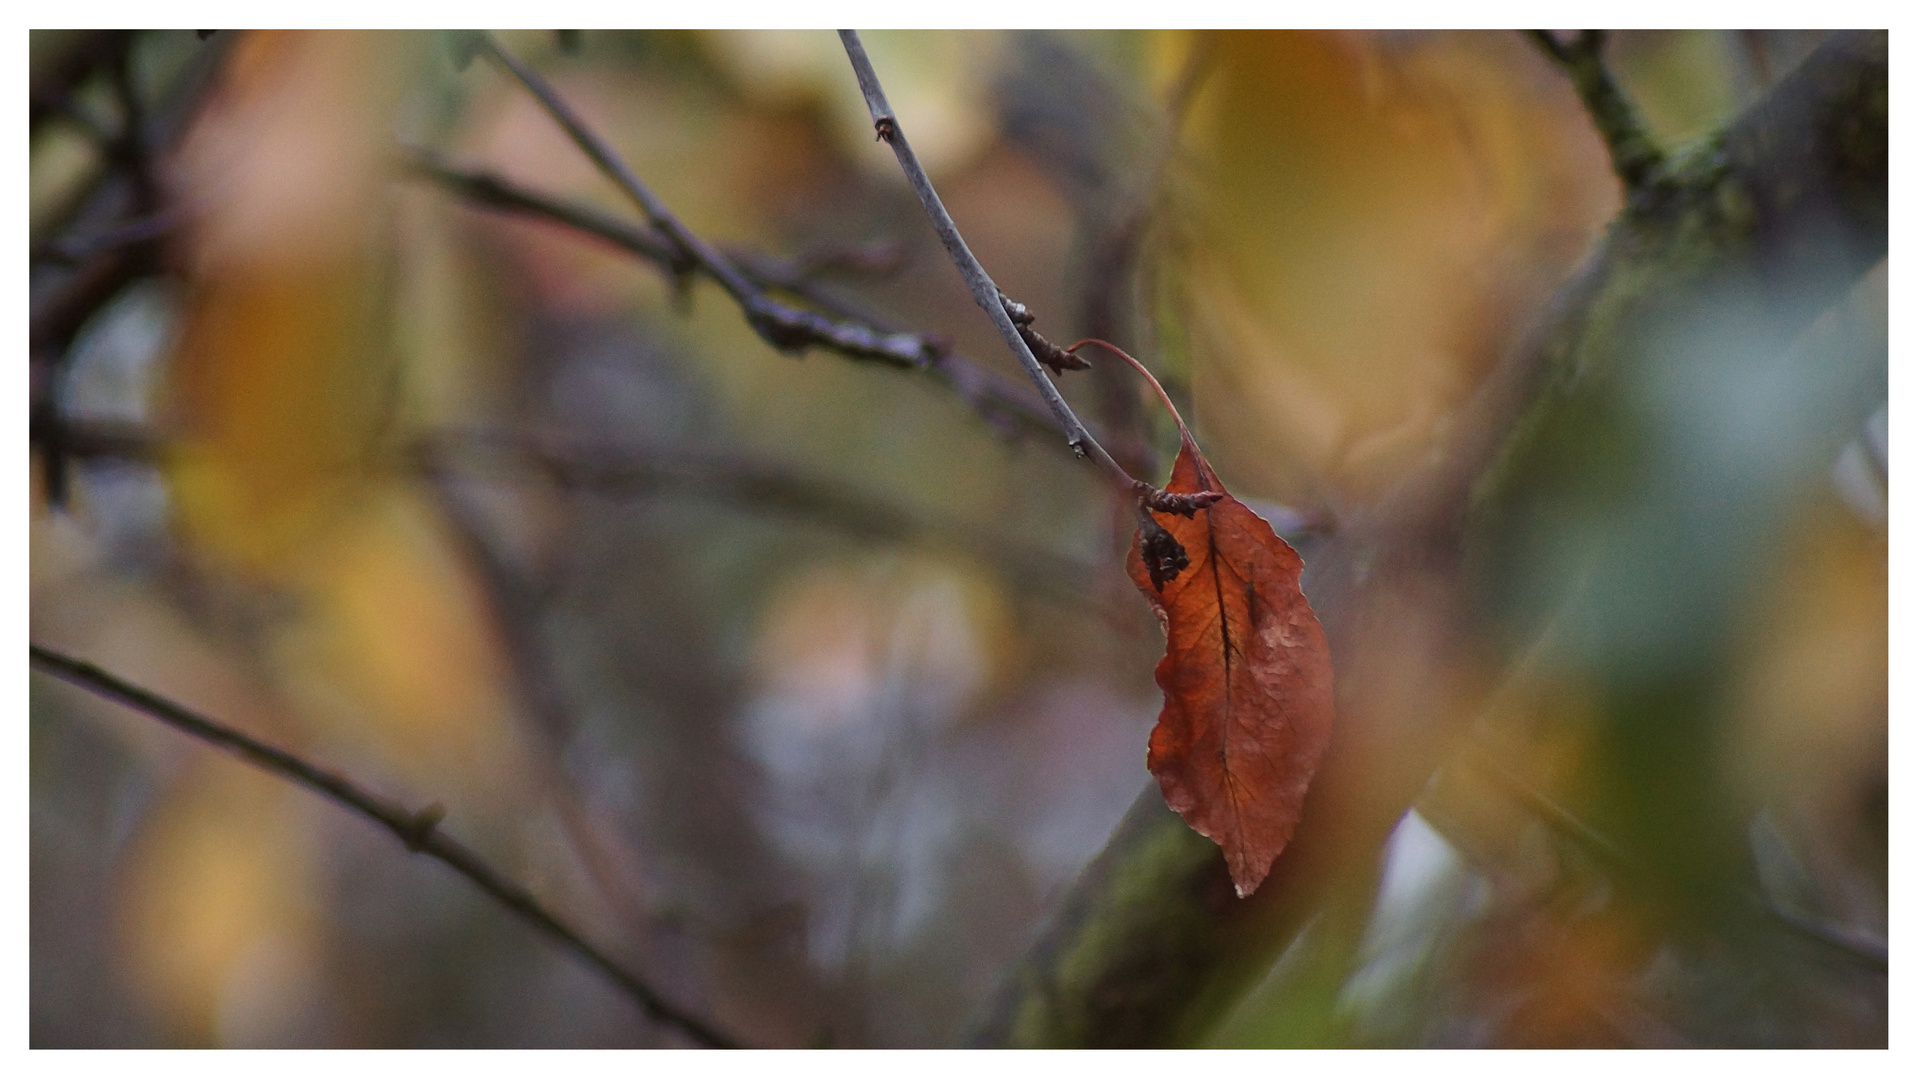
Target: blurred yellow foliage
column 1810, row 698
column 396, row 655
column 219, row 873
column 1377, row 212
column 278, row 376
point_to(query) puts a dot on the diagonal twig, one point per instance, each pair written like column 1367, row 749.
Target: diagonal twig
column 1001, row 401
column 419, row 831
column 1635, row 157
column 786, row 328
column 985, row 293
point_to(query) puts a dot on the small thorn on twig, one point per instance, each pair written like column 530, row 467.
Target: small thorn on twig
column 423, row 825
column 1060, row 360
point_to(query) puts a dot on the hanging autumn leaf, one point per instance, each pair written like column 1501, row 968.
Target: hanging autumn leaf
column 1247, row 674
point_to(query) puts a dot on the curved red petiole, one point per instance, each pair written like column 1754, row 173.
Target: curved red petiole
column 1185, row 436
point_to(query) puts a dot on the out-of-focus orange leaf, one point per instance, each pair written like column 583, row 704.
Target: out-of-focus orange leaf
column 1370, row 220
column 1247, row 674
column 279, row 385
column 217, row 914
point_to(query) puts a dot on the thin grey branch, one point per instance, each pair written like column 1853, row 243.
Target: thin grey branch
column 788, row 329
column 419, row 831
column 985, row 293
column 1001, row 401
column 496, row 192
column 1635, row 157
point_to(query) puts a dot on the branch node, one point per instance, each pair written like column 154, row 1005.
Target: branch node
column 422, row 826
column 1016, row 311
column 1060, row 360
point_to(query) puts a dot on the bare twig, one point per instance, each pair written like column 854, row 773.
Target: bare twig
column 626, row 470
column 1635, row 157
column 419, row 831
column 1047, row 353
column 498, row 193
column 1003, row 402
column 985, row 293
column 787, row 329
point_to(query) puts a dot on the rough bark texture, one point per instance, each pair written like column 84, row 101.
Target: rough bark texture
column 1786, row 208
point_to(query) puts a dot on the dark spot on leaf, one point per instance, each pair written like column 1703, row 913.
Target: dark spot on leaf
column 1163, row 554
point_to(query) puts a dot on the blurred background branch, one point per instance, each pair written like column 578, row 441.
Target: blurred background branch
column 419, row 832
column 786, row 329
column 999, row 400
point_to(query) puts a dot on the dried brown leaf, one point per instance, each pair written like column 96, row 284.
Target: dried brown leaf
column 1247, row 674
